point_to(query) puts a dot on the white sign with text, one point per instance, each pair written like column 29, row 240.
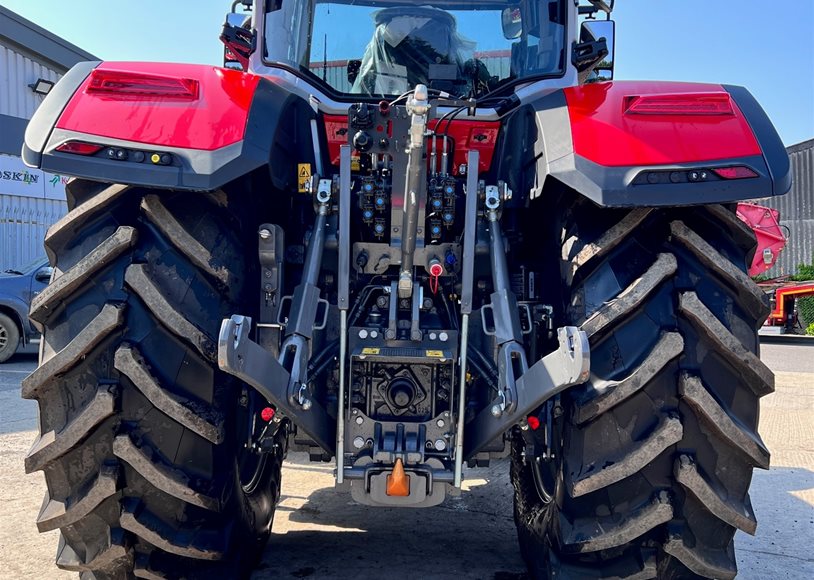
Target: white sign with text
column 18, row 179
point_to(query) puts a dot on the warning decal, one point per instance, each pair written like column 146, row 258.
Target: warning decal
column 303, row 177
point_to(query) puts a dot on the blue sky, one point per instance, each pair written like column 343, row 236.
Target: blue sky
column 753, row 43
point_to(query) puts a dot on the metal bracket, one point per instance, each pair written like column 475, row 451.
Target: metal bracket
column 567, row 366
column 241, row 357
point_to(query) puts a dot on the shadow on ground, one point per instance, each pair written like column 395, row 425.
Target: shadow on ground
column 473, row 536
column 330, row 536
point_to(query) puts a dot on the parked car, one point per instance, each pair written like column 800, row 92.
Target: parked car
column 17, row 289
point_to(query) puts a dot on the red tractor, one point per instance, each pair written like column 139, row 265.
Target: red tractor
column 409, row 239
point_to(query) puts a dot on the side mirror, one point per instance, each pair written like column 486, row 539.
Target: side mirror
column 238, row 40
column 593, row 56
column 512, row 22
column 44, row 274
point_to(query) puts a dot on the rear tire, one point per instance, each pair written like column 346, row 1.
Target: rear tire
column 9, row 338
column 654, row 454
column 142, row 437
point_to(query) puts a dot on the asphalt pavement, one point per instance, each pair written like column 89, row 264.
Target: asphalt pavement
column 320, row 533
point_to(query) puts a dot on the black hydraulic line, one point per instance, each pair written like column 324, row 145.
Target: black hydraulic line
column 483, row 366
column 323, row 359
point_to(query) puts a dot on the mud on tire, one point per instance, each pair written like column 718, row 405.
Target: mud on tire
column 141, row 435
column 654, row 454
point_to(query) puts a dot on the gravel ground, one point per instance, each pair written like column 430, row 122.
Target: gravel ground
column 321, row 533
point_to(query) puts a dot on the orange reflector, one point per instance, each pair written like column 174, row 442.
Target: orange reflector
column 398, row 482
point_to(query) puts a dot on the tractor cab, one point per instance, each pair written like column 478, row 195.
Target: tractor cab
column 347, row 50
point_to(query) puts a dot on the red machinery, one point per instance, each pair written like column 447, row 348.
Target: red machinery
column 771, row 240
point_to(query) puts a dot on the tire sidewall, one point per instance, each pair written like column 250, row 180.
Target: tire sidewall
column 12, row 333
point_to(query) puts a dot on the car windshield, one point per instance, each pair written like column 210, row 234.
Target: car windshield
column 384, row 48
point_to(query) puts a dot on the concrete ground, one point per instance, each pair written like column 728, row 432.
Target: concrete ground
column 321, row 533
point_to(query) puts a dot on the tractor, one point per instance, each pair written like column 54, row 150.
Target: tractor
column 409, row 239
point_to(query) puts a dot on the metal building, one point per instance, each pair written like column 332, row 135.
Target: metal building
column 31, row 61
column 797, row 211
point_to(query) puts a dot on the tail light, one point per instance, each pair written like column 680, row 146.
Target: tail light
column 129, row 85
column 737, row 172
column 692, row 104
column 79, row 148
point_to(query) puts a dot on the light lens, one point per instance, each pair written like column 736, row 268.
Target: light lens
column 79, row 148
column 693, row 104
column 737, row 172
column 128, row 85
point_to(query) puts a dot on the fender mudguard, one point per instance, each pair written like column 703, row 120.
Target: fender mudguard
column 627, row 144
column 201, row 128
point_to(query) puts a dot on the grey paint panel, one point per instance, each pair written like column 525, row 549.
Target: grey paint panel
column 196, row 169
column 614, row 186
column 47, row 115
column 12, row 132
column 770, row 143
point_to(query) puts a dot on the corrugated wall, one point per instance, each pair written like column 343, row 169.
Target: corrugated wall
column 16, row 73
column 23, row 219
column 23, row 224
column 797, row 211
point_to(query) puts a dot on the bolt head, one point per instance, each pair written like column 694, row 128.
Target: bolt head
column 265, row 234
column 358, row 442
column 306, row 404
column 440, row 423
column 496, row 411
column 359, row 420
column 440, row 444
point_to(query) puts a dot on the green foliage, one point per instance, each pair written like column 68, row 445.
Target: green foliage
column 805, row 309
column 810, row 329
column 804, row 272
column 761, row 278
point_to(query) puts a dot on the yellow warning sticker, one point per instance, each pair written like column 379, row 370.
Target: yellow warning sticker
column 303, row 177
column 355, row 164
column 371, row 350
column 434, row 354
